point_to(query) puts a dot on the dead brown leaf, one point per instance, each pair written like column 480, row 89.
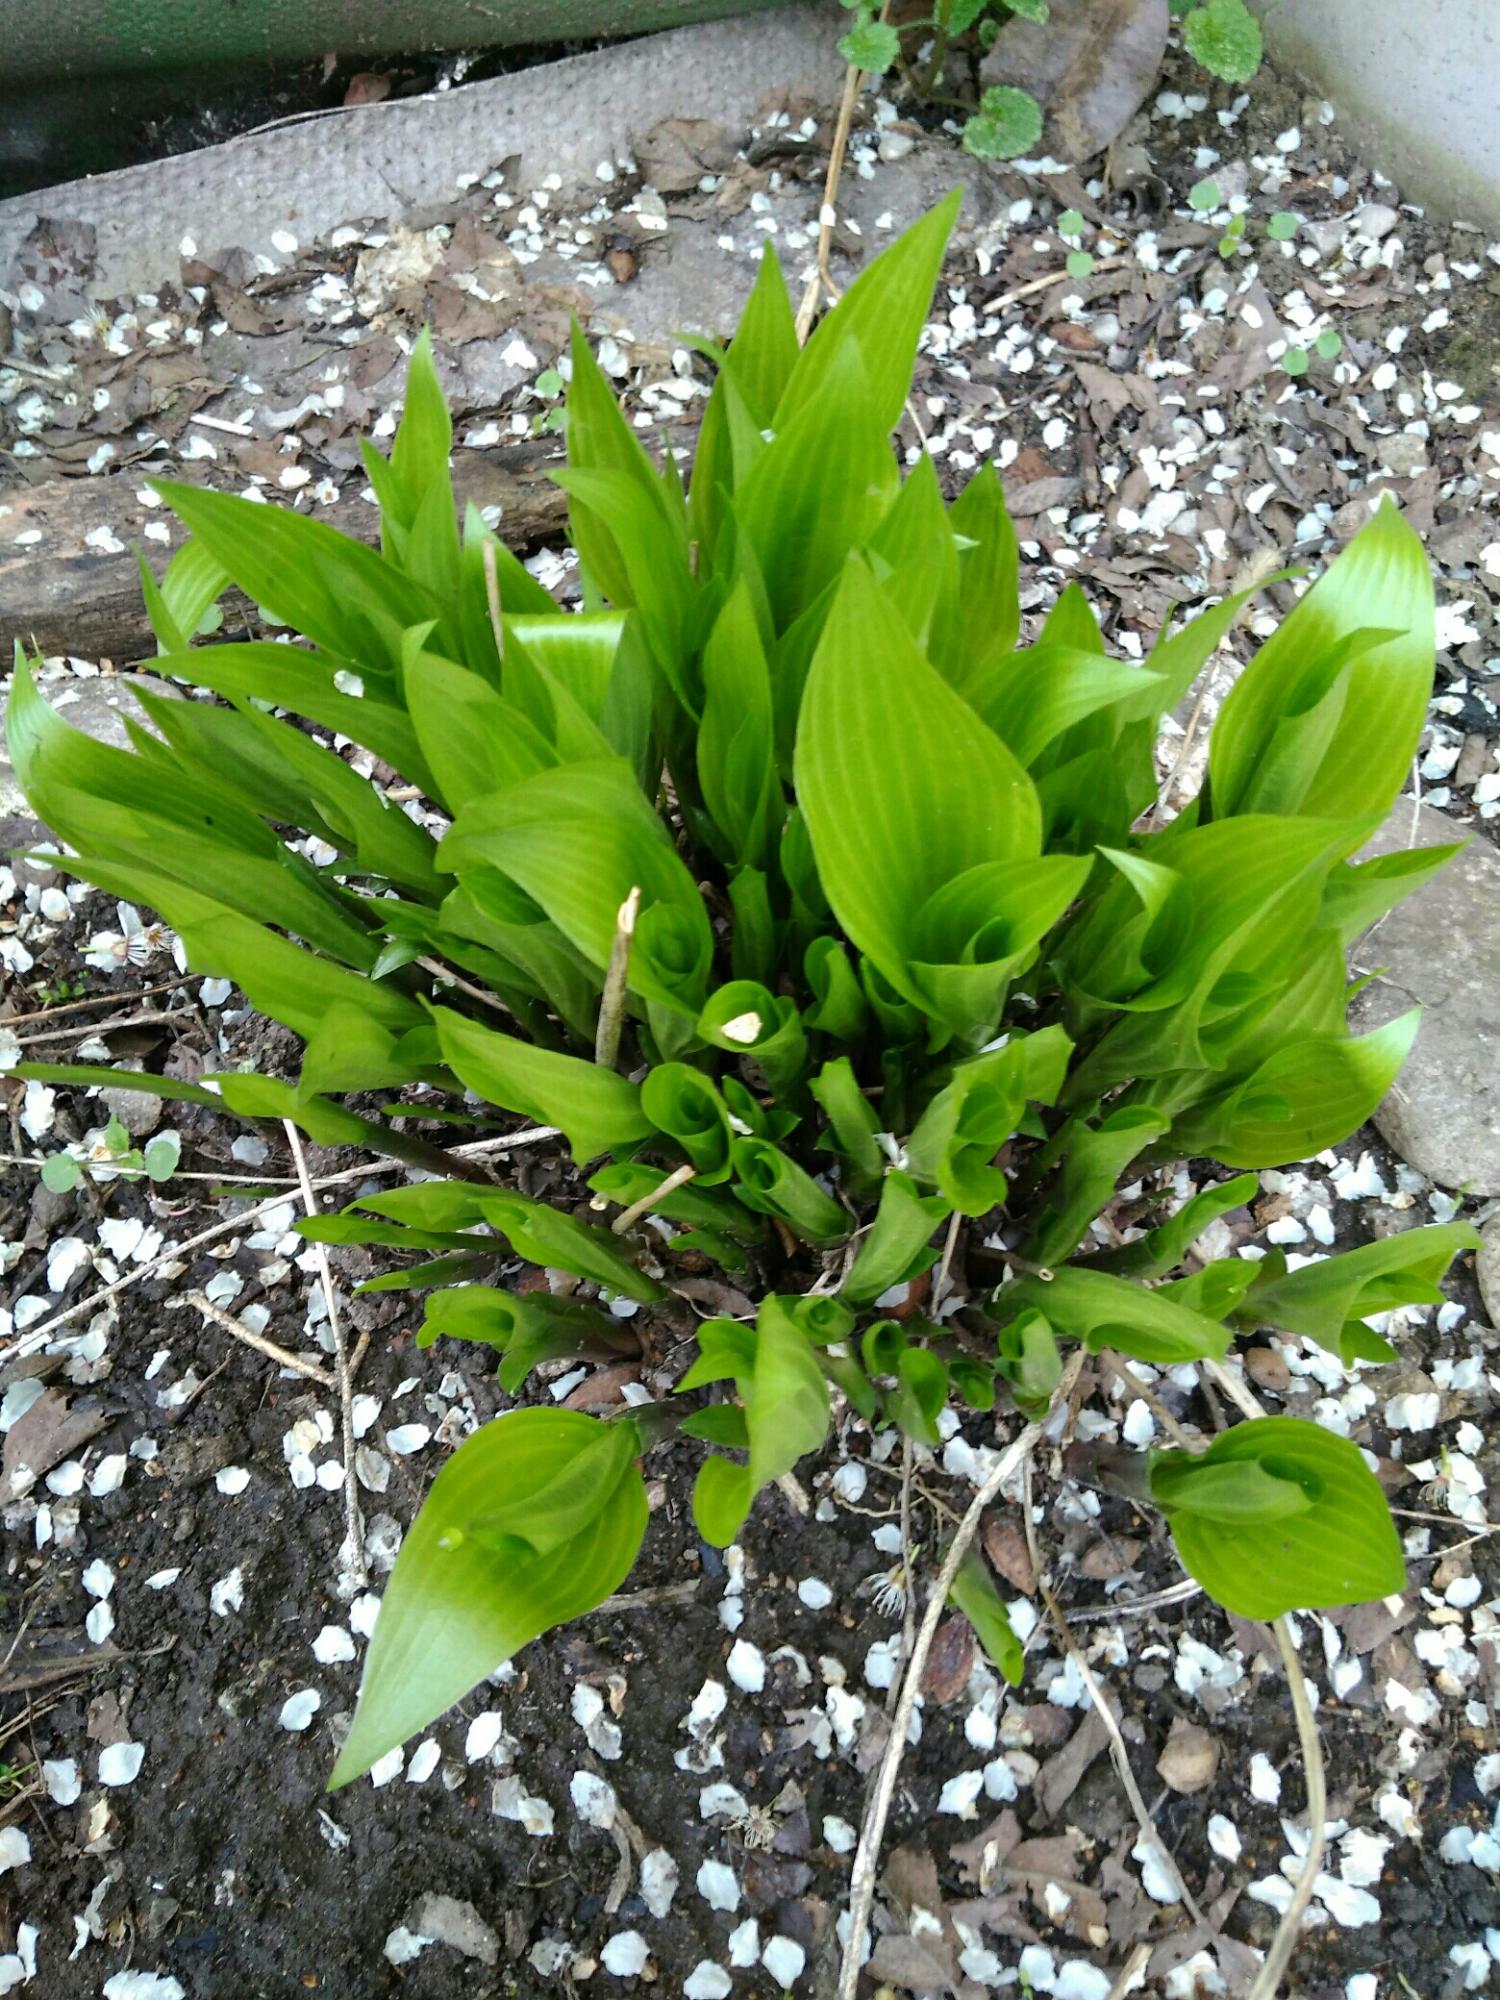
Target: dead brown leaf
column 1091, row 66
column 50, row 1431
column 951, row 1660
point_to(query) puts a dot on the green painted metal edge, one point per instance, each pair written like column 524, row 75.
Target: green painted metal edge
column 76, row 38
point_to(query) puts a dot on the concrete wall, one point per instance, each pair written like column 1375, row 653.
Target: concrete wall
column 1417, row 80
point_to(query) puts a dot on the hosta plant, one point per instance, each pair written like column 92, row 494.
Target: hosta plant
column 834, row 926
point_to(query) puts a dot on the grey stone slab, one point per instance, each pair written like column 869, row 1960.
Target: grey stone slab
column 1440, row 949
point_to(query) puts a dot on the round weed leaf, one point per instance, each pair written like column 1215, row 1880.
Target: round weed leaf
column 1329, row 344
column 61, row 1173
column 1294, row 361
column 1282, row 226
column 1007, row 124
column 1080, row 263
column 1203, row 195
column 1029, row 10
column 872, row 46
column 1224, row 37
column 1070, row 223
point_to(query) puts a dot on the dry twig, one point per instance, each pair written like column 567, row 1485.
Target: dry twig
column 239, row 1331
column 355, row 1540
column 867, row 1854
column 616, row 979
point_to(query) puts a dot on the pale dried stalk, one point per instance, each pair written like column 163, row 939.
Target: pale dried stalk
column 492, row 593
column 456, row 979
column 612, row 999
column 354, row 1529
column 259, row 1342
column 628, row 1217
column 867, row 1854
column 821, row 281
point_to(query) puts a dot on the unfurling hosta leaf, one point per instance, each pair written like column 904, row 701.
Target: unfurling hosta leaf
column 785, row 1398
column 525, row 1327
column 455, row 1608
column 597, row 1109
column 1104, row 1311
column 1279, row 1515
column 898, row 1246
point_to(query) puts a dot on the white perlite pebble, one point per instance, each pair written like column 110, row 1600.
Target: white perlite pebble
column 332, row 1645
column 624, row 1955
column 784, row 1959
column 484, row 1733
column 385, row 1768
column 707, row 1981
column 98, row 1579
column 959, row 1795
column 298, row 1710
column 141, row 1986
column 659, row 1878
column 593, row 1800
column 99, row 1623
column 424, row 1761
column 746, row 1666
column 108, row 1475
column 120, row 1763
column 718, row 1887
column 228, row 1594
column 15, row 1848
column 60, row 1776
column 407, row 1438
column 1223, row 1838
column 232, row 1479
column 839, row 1834
column 402, row 1946
column 814, row 1593
column 1265, row 1779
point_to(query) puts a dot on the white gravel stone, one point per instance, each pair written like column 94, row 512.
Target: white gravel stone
column 298, row 1710
column 120, row 1763
column 784, row 1959
column 746, row 1666
column 332, row 1645
column 15, row 1848
column 60, row 1776
column 625, row 1955
column 718, row 1886
column 424, row 1761
column 659, row 1880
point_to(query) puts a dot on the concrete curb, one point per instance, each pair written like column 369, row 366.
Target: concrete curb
column 390, row 161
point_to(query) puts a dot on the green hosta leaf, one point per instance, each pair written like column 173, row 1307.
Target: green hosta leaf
column 597, row 1109
column 853, row 1125
column 819, row 489
column 455, row 1610
column 1105, row 1311
column 1029, row 10
column 178, row 606
column 871, row 46
column 88, row 1075
column 902, row 786
column 1381, row 582
column 1224, row 36
column 600, row 440
column 1093, row 1160
column 1329, row 1301
column 987, row 617
column 764, row 350
column 975, row 1595
column 1163, row 1248
column 918, row 1396
column 914, row 555
column 1302, row 1098
column 898, row 1246
column 1007, row 124
column 840, row 1009
column 736, row 749
column 1328, row 1540
column 972, row 1116
column 305, row 573
column 526, row 1327
column 785, row 1397
column 1357, row 892
column 771, row 1182
column 882, row 316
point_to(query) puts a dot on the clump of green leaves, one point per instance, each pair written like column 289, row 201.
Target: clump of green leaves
column 1006, row 122
column 889, row 946
column 112, row 1157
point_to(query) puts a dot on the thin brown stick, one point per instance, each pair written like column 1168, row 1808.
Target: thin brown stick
column 628, row 1217
column 239, row 1331
column 945, row 1265
column 147, row 1020
column 1289, row 1929
column 456, row 979
column 97, row 1000
column 1117, row 1750
column 1035, row 285
column 354, row 1530
column 821, row 282
column 1132, row 1384
column 616, row 979
column 492, row 593
column 1128, row 1971
column 867, row 1854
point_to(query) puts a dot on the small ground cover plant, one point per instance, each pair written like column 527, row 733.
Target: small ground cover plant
column 826, row 920
column 1006, row 121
